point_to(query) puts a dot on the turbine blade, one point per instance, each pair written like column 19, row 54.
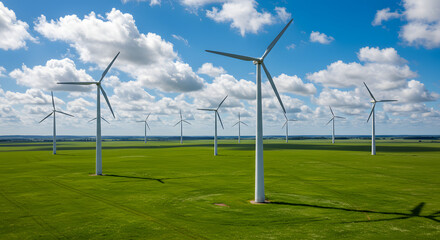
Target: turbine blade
column 180, row 115
column 293, row 120
column 147, row 126
column 339, row 117
column 140, row 121
column 284, row 124
column 245, row 124
column 108, row 68
column 64, row 113
column 272, row 44
column 186, row 122
column 177, row 123
column 147, row 117
column 92, row 119
column 106, row 99
column 387, row 101
column 235, row 124
column 331, row 111
column 46, row 117
column 53, row 102
column 219, row 119
column 329, row 121
column 77, row 83
column 206, row 109
column 273, row 87
column 372, row 109
column 370, row 92
column 222, row 102
column 104, row 120
column 245, row 58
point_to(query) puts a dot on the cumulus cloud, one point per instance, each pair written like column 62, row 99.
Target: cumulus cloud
column 152, row 2
column 384, row 15
column 294, row 84
column 415, row 92
column 31, row 96
column 46, row 77
column 210, row 70
column 242, row 15
column 351, row 102
column 377, row 72
column 385, row 55
column 282, row 14
column 422, row 22
column 146, row 57
column 180, row 38
column 13, row 32
column 320, row 38
column 2, row 71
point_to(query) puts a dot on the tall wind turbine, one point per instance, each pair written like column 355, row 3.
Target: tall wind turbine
column 98, row 112
column 333, row 119
column 146, row 125
column 286, row 124
column 373, row 127
column 215, row 110
column 54, row 123
column 239, row 130
column 259, row 165
column 181, row 126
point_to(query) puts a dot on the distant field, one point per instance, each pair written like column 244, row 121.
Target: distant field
column 164, row 190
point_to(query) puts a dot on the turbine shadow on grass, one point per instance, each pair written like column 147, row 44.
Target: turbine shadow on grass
column 161, row 180
column 415, row 212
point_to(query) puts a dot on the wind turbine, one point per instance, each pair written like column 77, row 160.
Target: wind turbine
column 93, row 119
column 239, row 130
column 146, row 125
column 215, row 110
column 259, row 165
column 98, row 113
column 373, row 127
column 181, row 126
column 333, row 119
column 54, row 123
column 286, row 124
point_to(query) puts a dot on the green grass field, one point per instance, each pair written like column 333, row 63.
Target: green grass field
column 162, row 190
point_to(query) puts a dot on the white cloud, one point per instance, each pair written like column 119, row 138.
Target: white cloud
column 384, row 15
column 320, row 38
column 291, row 46
column 210, row 70
column 31, row 96
column 242, row 15
column 152, row 2
column 146, row 57
column 282, row 14
column 13, row 32
column 349, row 102
column 180, row 38
column 2, row 71
column 46, row 77
column 422, row 27
column 416, row 92
column 385, row 55
column 293, row 84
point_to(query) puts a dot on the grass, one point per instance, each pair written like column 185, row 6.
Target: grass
column 162, row 190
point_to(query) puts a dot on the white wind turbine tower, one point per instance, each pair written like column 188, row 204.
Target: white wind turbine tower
column 373, row 127
column 216, row 115
column 98, row 113
column 181, row 126
column 146, row 125
column 286, row 124
column 333, row 119
column 259, row 165
column 239, row 130
column 54, row 111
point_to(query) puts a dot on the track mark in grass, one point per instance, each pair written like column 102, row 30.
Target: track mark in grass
column 182, row 231
column 37, row 219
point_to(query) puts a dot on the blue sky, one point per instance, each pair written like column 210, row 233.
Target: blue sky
column 322, row 59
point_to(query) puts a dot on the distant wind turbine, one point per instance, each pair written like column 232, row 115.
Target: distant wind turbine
column 286, row 124
column 215, row 110
column 54, row 123
column 373, row 127
column 181, row 126
column 146, row 125
column 239, row 130
column 333, row 119
column 98, row 113
column 259, row 164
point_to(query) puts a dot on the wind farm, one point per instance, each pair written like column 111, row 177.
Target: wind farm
column 201, row 145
